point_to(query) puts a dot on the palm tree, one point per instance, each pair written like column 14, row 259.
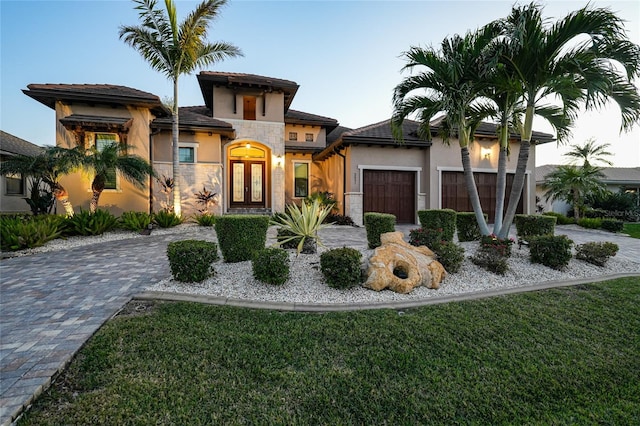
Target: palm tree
column 46, row 167
column 174, row 49
column 447, row 83
column 585, row 58
column 110, row 160
column 590, row 152
column 572, row 184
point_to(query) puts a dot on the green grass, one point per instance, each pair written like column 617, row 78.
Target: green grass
column 633, row 229
column 561, row 356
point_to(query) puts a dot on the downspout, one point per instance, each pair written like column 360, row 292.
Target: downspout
column 151, row 162
column 344, row 181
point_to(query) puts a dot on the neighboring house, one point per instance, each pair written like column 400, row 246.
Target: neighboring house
column 247, row 145
column 616, row 178
column 15, row 188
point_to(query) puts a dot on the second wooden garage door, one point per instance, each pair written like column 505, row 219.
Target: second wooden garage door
column 390, row 191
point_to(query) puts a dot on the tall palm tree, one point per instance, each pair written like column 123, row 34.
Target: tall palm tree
column 48, row 167
column 447, row 83
column 174, row 49
column 583, row 59
column 590, row 152
column 110, row 160
column 572, row 184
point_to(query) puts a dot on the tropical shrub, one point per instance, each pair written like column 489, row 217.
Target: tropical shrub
column 596, row 253
column 271, row 265
column 450, row 255
column 444, row 219
column 341, row 267
column 167, row 219
column 240, row 236
column 590, row 223
column 303, row 223
column 612, row 225
column 491, row 261
column 87, row 223
column 325, row 198
column 560, row 218
column 205, row 219
column 135, row 221
column 499, row 246
column 207, row 199
column 426, row 237
column 553, row 251
column 467, row 226
column 18, row 232
column 377, row 224
column 191, row 260
column 529, row 226
column 338, row 219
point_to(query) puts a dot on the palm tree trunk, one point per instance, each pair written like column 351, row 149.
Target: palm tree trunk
column 175, row 134
column 501, row 183
column 576, row 205
column 63, row 197
column 472, row 190
column 93, row 205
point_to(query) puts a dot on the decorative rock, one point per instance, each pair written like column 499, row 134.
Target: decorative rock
column 413, row 266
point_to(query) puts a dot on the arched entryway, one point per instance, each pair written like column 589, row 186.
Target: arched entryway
column 248, row 165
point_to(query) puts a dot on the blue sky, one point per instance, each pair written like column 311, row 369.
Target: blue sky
column 345, row 55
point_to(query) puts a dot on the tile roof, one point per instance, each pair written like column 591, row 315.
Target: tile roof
column 194, row 117
column 299, row 117
column 613, row 175
column 208, row 79
column 13, row 145
column 491, row 129
column 48, row 94
column 96, row 122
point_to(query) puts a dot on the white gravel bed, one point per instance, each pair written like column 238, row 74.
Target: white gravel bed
column 306, row 284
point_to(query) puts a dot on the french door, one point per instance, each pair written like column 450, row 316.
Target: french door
column 247, row 184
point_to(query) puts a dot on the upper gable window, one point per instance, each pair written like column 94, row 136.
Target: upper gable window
column 249, row 107
column 293, row 136
column 308, row 137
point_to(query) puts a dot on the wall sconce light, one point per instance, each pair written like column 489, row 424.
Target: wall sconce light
column 279, row 161
column 485, row 153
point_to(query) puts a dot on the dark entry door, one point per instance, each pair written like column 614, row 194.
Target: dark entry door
column 390, row 191
column 247, row 184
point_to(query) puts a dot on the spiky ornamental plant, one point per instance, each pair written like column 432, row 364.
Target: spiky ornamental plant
column 303, row 223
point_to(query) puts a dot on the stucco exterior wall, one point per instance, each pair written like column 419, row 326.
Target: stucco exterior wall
column 14, row 203
column 223, row 105
column 127, row 197
column 319, row 136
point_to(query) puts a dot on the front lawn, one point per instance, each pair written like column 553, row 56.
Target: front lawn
column 633, row 229
column 561, row 356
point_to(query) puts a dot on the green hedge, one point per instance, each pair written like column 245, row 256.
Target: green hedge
column 377, row 224
column 553, row 251
column 271, row 265
column 560, row 218
column 529, row 225
column 467, row 226
column 341, row 267
column 590, row 222
column 444, row 219
column 240, row 236
column 612, row 225
column 190, row 260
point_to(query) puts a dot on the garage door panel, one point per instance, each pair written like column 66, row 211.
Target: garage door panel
column 388, row 191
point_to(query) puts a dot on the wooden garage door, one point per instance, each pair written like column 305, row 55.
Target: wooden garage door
column 454, row 192
column 389, row 191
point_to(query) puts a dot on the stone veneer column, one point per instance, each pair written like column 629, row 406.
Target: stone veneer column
column 353, row 207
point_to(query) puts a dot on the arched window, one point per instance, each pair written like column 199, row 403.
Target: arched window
column 247, row 151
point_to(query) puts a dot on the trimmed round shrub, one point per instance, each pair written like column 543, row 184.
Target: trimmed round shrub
column 467, row 226
column 553, row 251
column 530, row 225
column 596, row 253
column 191, row 260
column 271, row 265
column 450, row 254
column 377, row 224
column 612, row 225
column 341, row 267
column 444, row 219
column 240, row 236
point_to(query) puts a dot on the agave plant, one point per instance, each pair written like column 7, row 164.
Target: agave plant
column 303, row 224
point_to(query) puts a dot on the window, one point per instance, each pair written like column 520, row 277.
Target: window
column 103, row 140
column 14, row 184
column 301, row 179
column 308, row 137
column 249, row 104
column 186, row 155
column 293, row 136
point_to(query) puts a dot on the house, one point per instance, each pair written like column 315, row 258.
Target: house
column 15, row 188
column 616, row 179
column 258, row 154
